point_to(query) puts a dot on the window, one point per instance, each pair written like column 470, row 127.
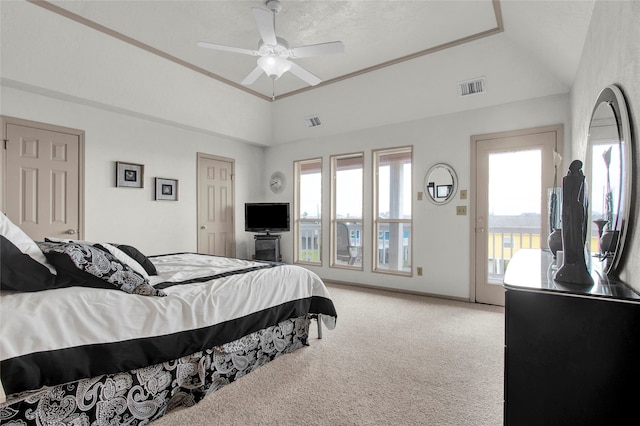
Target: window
column 392, row 211
column 346, row 210
column 307, row 230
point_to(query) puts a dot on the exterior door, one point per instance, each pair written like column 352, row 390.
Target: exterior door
column 215, row 206
column 513, row 171
column 43, row 180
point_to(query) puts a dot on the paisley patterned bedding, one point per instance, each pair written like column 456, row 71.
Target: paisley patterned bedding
column 139, row 396
column 93, row 349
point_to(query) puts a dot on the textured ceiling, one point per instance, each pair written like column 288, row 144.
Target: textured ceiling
column 375, row 33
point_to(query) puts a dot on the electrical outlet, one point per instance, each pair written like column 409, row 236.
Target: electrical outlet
column 419, row 271
column 463, row 194
column 461, row 210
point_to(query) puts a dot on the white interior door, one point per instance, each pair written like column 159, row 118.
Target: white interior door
column 43, row 181
column 215, row 206
column 513, row 171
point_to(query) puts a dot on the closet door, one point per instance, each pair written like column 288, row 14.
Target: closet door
column 215, row 206
column 43, row 180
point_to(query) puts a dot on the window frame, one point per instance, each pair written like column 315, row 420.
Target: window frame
column 377, row 220
column 297, row 220
column 333, row 263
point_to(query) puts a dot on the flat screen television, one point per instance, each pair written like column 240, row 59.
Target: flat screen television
column 266, row 217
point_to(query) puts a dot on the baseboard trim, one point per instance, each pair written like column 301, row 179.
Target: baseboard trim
column 395, row 290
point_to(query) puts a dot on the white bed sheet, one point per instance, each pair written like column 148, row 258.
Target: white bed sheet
column 74, row 316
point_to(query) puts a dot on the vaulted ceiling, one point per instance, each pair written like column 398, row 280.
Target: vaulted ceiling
column 375, row 33
column 401, row 61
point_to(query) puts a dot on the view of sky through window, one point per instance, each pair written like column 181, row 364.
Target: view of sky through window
column 514, row 183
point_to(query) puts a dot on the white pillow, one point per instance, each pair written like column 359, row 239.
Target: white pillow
column 126, row 259
column 23, row 242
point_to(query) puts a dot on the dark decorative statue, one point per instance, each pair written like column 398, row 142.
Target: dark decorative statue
column 575, row 204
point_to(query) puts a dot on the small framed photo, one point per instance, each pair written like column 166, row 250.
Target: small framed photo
column 129, row 175
column 166, row 189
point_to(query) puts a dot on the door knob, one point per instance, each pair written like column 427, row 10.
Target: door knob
column 203, row 226
column 71, row 231
column 480, row 230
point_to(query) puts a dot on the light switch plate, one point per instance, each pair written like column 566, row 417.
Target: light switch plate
column 461, row 210
column 463, row 194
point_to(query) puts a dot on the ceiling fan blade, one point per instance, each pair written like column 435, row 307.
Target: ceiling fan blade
column 317, row 49
column 264, row 19
column 252, row 77
column 304, row 75
column 222, row 47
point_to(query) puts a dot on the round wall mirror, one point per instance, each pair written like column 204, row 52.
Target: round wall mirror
column 608, row 170
column 440, row 183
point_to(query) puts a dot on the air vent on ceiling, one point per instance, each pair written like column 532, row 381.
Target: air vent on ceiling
column 313, row 121
column 472, row 87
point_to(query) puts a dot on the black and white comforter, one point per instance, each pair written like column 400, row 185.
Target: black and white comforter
column 63, row 335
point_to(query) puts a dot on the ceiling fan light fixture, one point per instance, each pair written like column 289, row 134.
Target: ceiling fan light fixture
column 274, row 66
column 274, row 51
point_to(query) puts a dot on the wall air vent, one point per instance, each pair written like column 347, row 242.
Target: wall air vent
column 313, row 121
column 472, row 87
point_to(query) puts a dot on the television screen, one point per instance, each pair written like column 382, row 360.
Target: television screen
column 266, row 217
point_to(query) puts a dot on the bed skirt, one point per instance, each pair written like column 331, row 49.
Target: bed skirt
column 140, row 396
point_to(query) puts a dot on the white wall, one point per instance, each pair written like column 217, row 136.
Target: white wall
column 422, row 87
column 127, row 215
column 611, row 55
column 441, row 239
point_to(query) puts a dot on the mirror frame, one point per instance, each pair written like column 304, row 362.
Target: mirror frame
column 613, row 96
column 454, row 178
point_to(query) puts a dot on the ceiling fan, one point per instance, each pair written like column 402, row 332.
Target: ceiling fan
column 274, row 52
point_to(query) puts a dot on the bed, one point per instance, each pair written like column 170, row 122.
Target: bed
column 98, row 333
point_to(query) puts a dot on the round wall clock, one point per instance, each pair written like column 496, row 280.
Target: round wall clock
column 276, row 183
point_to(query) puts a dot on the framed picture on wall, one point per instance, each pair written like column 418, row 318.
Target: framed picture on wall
column 166, row 189
column 129, row 175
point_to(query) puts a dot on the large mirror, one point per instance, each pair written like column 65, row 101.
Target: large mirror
column 440, row 183
column 608, row 169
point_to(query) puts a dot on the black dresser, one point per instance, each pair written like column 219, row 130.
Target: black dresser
column 572, row 355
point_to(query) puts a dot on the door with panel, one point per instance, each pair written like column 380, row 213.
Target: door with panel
column 43, row 179
column 215, row 206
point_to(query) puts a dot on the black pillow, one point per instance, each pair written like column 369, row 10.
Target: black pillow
column 21, row 272
column 91, row 266
column 23, row 265
column 136, row 255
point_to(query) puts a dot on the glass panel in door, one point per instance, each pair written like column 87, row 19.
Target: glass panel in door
column 513, row 171
column 514, row 217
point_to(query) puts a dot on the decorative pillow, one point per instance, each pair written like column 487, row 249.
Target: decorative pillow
column 24, row 266
column 89, row 266
column 124, row 258
column 143, row 260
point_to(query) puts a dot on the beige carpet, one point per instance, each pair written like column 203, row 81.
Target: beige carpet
column 393, row 359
